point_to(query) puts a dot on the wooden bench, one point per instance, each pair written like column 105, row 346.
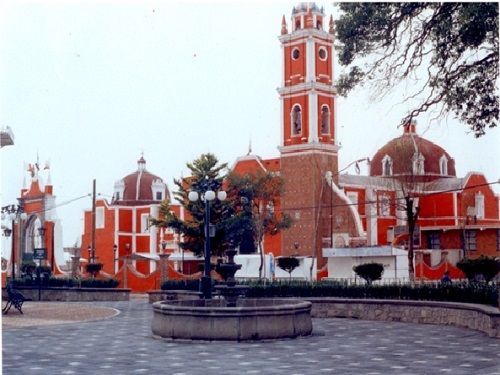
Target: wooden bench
column 16, row 299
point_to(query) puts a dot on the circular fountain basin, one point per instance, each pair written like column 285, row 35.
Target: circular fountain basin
column 251, row 319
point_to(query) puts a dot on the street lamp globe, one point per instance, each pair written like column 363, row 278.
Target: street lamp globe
column 209, row 195
column 193, row 196
column 221, row 195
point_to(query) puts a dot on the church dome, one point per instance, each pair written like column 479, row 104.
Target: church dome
column 413, row 155
column 140, row 188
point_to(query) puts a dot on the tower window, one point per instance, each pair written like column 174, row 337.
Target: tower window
column 322, row 53
column 159, row 196
column 297, row 24
column 325, row 120
column 295, row 53
column 296, row 120
column 443, row 165
column 387, row 166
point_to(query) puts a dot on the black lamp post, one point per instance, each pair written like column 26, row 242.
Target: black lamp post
column 13, row 213
column 89, row 249
column 115, row 249
column 208, row 196
column 41, row 231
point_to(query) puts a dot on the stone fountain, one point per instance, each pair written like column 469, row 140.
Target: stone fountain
column 230, row 292
column 231, row 317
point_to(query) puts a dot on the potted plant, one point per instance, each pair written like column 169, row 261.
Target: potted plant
column 94, row 268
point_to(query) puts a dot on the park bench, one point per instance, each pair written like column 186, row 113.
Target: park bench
column 15, row 298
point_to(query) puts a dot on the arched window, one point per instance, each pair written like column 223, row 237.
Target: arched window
column 418, row 163
column 296, row 120
column 443, row 165
column 387, row 166
column 325, row 120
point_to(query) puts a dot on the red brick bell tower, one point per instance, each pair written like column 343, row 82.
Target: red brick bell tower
column 308, row 147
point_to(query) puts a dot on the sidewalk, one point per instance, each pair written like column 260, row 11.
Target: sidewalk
column 50, row 313
column 124, row 344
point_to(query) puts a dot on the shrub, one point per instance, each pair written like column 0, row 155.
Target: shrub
column 486, row 294
column 68, row 282
column 369, row 271
column 94, row 268
column 482, row 267
column 288, row 264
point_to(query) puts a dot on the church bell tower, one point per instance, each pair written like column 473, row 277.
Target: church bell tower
column 308, row 141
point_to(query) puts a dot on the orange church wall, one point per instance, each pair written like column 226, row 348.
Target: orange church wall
column 324, row 68
column 125, row 220
column 436, row 205
column 383, row 225
column 295, row 70
column 486, row 241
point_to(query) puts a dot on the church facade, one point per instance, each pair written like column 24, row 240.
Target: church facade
column 339, row 219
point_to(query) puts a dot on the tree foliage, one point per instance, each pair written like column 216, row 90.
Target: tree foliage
column 288, row 264
column 487, row 267
column 456, row 43
column 255, row 198
column 369, row 271
column 206, row 174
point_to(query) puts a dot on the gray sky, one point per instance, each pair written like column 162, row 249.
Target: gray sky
column 90, row 85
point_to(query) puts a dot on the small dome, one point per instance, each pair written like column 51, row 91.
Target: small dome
column 412, row 154
column 140, row 188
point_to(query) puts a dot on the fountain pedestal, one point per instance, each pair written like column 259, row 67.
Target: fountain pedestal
column 230, row 291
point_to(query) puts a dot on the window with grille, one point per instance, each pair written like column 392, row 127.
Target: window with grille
column 470, row 240
column 433, row 241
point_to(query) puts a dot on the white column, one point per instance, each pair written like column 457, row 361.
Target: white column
column 313, row 117
column 310, row 61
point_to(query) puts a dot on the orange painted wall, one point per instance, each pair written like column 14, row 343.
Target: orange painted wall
column 324, row 68
column 295, row 70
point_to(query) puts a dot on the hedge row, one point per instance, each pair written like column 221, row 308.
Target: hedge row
column 481, row 293
column 68, row 282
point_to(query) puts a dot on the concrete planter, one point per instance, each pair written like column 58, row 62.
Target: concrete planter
column 477, row 317
column 251, row 319
column 74, row 294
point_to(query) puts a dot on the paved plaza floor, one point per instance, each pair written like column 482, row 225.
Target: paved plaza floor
column 123, row 344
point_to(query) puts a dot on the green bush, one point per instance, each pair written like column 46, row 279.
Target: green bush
column 467, row 292
column 457, row 292
column 68, row 282
column 369, row 271
column 485, row 267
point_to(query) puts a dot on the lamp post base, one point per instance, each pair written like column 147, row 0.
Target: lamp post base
column 206, row 287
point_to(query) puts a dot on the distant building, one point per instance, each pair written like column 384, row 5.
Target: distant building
column 123, row 227
column 41, row 228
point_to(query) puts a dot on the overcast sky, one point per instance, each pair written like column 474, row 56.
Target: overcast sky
column 90, row 85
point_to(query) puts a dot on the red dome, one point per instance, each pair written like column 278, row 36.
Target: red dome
column 140, row 188
column 401, row 156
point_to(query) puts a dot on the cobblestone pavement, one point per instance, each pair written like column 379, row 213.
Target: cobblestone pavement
column 123, row 344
